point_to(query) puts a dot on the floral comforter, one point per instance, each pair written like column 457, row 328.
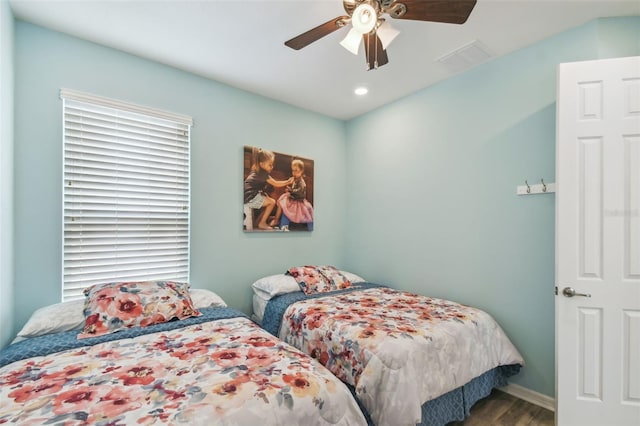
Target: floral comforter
column 225, row 372
column 398, row 349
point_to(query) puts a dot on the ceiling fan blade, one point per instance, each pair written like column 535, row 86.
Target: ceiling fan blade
column 446, row 11
column 317, row 33
column 376, row 55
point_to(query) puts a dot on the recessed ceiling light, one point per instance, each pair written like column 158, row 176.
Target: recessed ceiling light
column 361, row 91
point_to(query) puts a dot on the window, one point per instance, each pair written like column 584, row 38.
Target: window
column 126, row 193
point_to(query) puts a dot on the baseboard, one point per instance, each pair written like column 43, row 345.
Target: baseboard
column 528, row 395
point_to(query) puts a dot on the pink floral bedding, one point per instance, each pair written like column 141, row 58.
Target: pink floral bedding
column 398, row 349
column 227, row 371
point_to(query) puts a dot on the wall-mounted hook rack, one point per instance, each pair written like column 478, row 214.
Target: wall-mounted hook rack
column 540, row 188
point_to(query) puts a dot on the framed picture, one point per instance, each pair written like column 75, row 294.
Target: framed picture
column 278, row 191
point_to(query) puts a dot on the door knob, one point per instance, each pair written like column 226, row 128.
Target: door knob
column 570, row 292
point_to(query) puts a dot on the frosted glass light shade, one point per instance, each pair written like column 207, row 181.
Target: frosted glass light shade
column 352, row 41
column 386, row 34
column 364, row 18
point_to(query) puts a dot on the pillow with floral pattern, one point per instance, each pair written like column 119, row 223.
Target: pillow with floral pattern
column 318, row 279
column 336, row 277
column 111, row 307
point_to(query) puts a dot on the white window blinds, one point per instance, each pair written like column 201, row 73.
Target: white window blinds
column 126, row 193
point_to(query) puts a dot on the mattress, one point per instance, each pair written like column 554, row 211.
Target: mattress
column 259, row 305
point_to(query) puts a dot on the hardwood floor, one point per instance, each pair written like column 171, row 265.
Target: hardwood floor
column 502, row 409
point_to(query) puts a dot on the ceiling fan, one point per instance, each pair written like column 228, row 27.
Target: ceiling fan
column 368, row 24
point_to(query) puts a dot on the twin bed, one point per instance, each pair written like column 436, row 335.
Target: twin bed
column 160, row 353
column 213, row 367
column 408, row 359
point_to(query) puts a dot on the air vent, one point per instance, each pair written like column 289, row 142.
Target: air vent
column 466, row 57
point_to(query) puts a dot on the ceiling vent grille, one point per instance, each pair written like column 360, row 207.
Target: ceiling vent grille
column 466, row 57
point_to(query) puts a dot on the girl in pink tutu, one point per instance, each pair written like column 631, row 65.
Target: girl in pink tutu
column 293, row 205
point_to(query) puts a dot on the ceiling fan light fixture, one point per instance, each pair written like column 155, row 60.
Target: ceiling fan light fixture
column 386, row 34
column 352, row 41
column 364, row 18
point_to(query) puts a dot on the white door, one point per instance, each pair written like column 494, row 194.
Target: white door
column 598, row 243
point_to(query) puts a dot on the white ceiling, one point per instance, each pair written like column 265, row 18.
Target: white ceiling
column 241, row 42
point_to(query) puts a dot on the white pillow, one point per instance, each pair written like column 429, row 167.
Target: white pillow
column 353, row 277
column 274, row 285
column 63, row 316
column 203, row 298
column 67, row 316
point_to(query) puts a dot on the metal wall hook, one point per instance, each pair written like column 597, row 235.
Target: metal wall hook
column 538, row 188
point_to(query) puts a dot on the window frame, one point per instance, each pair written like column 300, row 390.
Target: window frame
column 149, row 170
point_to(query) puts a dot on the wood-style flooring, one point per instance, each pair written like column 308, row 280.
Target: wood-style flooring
column 502, row 409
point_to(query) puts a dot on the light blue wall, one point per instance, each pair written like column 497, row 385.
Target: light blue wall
column 6, row 174
column 432, row 181
column 618, row 37
column 223, row 258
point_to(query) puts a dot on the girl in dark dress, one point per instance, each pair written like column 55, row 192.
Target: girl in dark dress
column 254, row 186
